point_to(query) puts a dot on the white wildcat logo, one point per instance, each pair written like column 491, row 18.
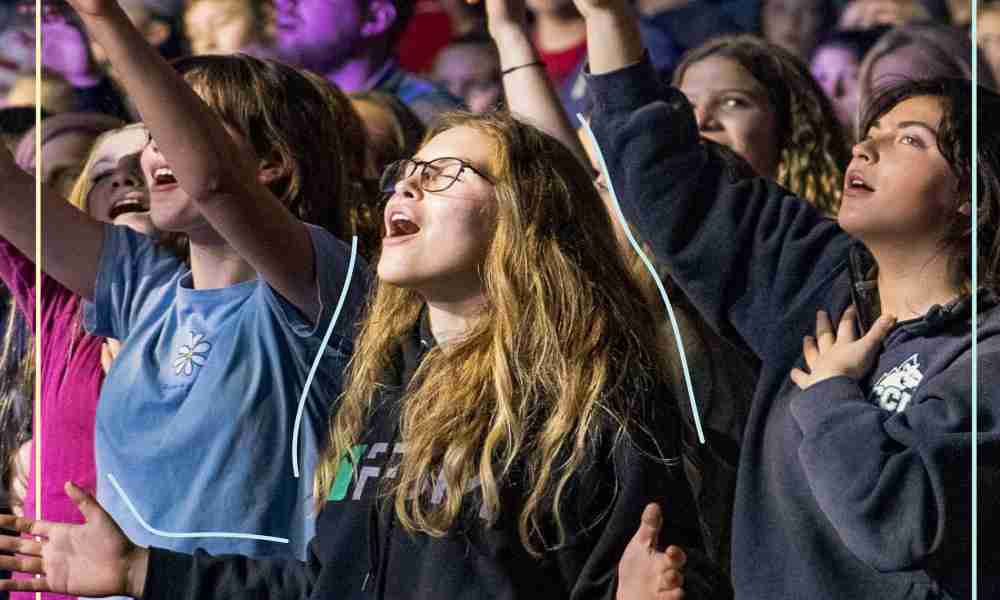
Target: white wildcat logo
column 893, row 390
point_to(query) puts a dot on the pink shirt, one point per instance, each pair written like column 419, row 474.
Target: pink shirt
column 71, row 382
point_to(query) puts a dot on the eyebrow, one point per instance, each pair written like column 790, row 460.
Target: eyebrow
column 921, row 124
column 750, row 91
column 904, row 124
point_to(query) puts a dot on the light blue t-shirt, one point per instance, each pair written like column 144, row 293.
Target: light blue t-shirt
column 196, row 415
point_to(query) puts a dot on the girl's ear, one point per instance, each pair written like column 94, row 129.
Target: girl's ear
column 272, row 169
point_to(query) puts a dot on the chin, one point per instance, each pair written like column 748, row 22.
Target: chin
column 395, row 276
column 856, row 225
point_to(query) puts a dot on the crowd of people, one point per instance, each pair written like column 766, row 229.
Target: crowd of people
column 578, row 299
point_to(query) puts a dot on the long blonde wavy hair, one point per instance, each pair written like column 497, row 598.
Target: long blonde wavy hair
column 547, row 380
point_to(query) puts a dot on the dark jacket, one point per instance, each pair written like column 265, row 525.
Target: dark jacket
column 850, row 489
column 360, row 551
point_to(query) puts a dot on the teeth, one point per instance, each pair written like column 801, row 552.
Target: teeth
column 398, row 217
column 163, row 172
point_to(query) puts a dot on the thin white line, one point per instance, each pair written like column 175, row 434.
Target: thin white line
column 652, row 271
column 319, row 356
column 196, row 534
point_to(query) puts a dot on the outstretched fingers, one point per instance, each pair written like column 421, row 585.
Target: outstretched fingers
column 25, row 525
column 21, row 564
column 20, row 545
column 34, row 584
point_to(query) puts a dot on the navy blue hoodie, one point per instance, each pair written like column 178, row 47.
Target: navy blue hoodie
column 849, row 489
column 360, row 551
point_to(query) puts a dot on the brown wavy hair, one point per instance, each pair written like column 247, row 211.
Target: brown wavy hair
column 814, row 149
column 305, row 121
column 547, row 378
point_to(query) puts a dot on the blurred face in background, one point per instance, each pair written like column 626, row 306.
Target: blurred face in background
column 470, row 72
column 903, row 63
column 317, row 34
column 63, row 158
column 733, row 109
column 219, row 26
column 836, row 70
column 792, row 24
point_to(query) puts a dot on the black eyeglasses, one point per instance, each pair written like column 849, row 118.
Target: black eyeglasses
column 435, row 175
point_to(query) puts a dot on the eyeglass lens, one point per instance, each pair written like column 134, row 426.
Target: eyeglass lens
column 435, row 176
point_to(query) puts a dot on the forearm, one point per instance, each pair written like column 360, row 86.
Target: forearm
column 17, row 209
column 200, row 151
column 746, row 253
column 217, row 174
column 172, row 576
column 614, row 32
column 528, row 91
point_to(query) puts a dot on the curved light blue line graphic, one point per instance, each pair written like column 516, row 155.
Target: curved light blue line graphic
column 195, row 534
column 652, row 271
column 319, row 357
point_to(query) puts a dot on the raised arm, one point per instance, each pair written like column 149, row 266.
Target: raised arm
column 747, row 253
column 613, row 35
column 227, row 190
column 529, row 93
column 71, row 240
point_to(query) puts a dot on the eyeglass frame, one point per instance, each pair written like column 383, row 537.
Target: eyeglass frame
column 422, row 165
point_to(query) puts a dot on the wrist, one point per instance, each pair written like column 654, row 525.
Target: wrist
column 508, row 31
column 513, row 45
column 138, row 566
column 607, row 10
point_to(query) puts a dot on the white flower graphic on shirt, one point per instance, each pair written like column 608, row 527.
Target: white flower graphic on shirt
column 191, row 355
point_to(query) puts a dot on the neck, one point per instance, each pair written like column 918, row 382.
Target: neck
column 215, row 264
column 356, row 73
column 912, row 281
column 559, row 30
column 450, row 319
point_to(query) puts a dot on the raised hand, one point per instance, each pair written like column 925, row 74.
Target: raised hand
column 832, row 355
column 92, row 559
column 646, row 573
column 504, row 14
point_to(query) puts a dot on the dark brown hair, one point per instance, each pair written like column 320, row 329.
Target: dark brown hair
column 813, row 147
column 954, row 139
column 283, row 112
